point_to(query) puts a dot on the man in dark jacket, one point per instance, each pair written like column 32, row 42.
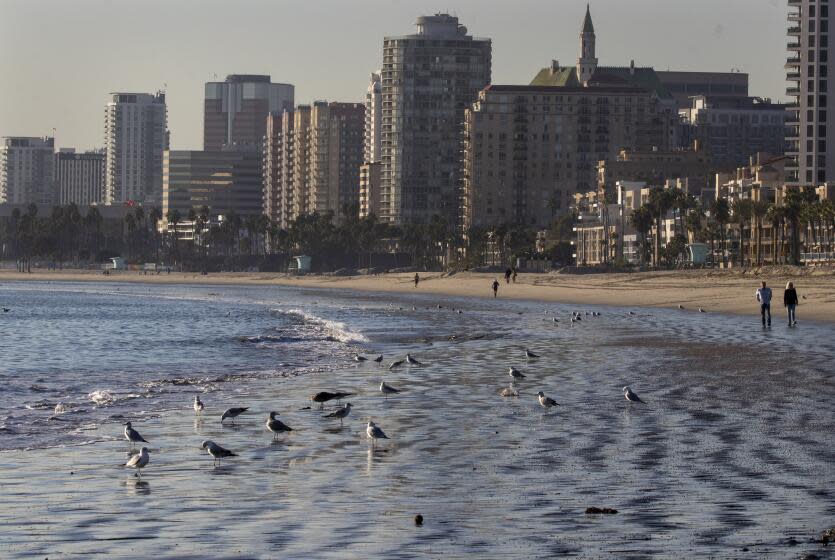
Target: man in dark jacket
column 764, row 297
column 790, row 303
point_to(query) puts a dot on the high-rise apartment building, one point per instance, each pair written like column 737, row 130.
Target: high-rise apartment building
column 225, row 181
column 27, row 170
column 312, row 160
column 732, row 129
column 135, row 136
column 235, row 111
column 373, row 119
column 811, row 152
column 428, row 81
column 79, row 177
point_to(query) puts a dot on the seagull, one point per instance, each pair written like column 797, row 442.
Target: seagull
column 701, row 310
column 374, row 432
column 515, row 373
column 379, row 359
column 6, row 309
column 546, row 402
column 387, row 389
column 359, row 358
column 139, row 461
column 556, row 320
column 509, row 392
column 530, row 355
column 396, row 363
column 412, row 361
column 341, row 413
column 233, row 413
column 324, row 396
column 631, row 396
column 277, row 426
column 217, row 452
column 198, row 405
column 680, row 306
column 133, row 436
column 632, row 313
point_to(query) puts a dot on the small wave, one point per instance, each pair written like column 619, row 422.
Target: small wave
column 102, row 397
column 336, row 330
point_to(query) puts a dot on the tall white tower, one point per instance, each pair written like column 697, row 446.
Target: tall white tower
column 587, row 63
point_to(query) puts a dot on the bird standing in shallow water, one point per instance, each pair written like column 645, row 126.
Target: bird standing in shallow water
column 387, row 389
column 324, row 396
column 374, row 432
column 139, row 461
column 629, row 395
column 133, row 436
column 233, row 413
column 217, row 452
column 341, row 413
column 515, row 373
column 412, row 361
column 546, row 402
column 198, row 405
column 276, row 426
column 530, row 355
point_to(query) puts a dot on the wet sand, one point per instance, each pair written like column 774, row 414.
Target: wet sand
column 730, row 291
column 732, row 456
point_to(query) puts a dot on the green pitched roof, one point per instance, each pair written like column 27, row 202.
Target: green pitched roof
column 566, row 76
column 588, row 26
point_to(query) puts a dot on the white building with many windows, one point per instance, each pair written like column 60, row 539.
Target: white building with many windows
column 27, row 170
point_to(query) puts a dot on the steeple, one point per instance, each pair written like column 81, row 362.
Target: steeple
column 587, row 63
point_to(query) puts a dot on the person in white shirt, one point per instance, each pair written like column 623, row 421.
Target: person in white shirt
column 764, row 297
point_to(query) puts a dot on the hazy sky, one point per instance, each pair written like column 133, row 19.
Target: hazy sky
column 60, row 58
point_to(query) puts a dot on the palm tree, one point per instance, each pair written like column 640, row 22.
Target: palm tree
column 660, row 202
column 741, row 211
column 173, row 218
column 642, row 219
column 721, row 213
column 759, row 210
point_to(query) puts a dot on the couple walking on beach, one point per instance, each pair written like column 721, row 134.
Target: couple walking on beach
column 789, row 302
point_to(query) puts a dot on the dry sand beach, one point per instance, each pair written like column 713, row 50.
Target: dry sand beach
column 712, row 290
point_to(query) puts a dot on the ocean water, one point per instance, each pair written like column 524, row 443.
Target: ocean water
column 733, row 454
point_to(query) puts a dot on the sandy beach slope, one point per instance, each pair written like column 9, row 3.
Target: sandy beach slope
column 713, row 291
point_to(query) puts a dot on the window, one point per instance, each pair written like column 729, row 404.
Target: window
column 811, row 70
column 821, row 175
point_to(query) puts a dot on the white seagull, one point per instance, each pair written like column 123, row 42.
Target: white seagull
column 387, row 389
column 198, row 405
column 374, row 432
column 233, row 413
column 546, row 402
column 629, row 395
column 133, row 436
column 139, row 461
column 217, row 452
column 276, row 426
column 340, row 413
column 515, row 373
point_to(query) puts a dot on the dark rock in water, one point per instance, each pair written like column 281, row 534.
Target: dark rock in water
column 810, row 556
column 418, row 520
column 597, row 510
column 827, row 536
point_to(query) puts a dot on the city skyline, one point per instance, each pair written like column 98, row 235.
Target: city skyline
column 525, row 35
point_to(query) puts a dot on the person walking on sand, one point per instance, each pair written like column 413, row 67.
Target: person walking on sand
column 417, row 279
column 507, row 274
column 764, row 297
column 790, row 303
column 495, row 288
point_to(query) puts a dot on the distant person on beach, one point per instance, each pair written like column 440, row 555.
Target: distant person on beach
column 417, row 279
column 764, row 297
column 507, row 274
column 790, row 303
column 515, row 272
column 495, row 288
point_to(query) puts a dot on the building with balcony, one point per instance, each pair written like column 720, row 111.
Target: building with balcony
column 811, row 151
column 428, row 81
column 135, row 136
column 27, row 170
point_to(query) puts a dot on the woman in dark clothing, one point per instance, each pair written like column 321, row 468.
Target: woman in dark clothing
column 790, row 302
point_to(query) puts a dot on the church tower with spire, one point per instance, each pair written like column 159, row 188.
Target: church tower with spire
column 587, row 63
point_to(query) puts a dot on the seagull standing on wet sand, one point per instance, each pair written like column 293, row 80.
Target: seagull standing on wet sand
column 139, row 461
column 387, row 389
column 546, row 402
column 217, row 452
column 276, row 426
column 374, row 433
column 133, row 436
column 233, row 413
column 198, row 405
column 629, row 395
column 341, row 413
